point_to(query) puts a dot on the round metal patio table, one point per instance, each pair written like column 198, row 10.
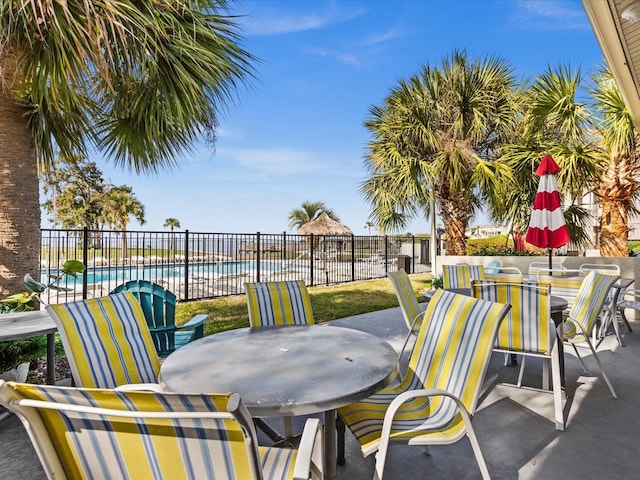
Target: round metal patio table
column 286, row 370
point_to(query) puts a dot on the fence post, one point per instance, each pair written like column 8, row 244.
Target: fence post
column 85, row 260
column 386, row 254
column 311, row 262
column 283, row 254
column 353, row 258
column 186, row 264
column 258, row 256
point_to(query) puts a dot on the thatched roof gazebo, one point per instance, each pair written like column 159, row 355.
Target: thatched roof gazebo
column 324, row 225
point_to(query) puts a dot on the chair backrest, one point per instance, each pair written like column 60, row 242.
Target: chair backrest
column 591, row 298
column 534, row 267
column 564, row 283
column 460, row 276
column 406, row 297
column 159, row 307
column 278, row 303
column 528, row 326
column 97, row 433
column 606, row 268
column 453, row 349
column 107, row 341
column 504, row 274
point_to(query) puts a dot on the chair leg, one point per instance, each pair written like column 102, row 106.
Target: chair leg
column 557, row 388
column 624, row 319
column 604, row 375
column 477, row 451
column 521, row 373
column 584, row 367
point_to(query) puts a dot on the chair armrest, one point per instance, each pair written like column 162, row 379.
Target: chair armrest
column 392, row 409
column 310, row 459
column 196, row 323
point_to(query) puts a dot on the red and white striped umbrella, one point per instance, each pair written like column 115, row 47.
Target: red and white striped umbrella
column 547, row 228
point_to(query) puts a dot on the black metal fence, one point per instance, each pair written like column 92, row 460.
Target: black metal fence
column 198, row 265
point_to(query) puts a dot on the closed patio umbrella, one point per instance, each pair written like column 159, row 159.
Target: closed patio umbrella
column 547, row 227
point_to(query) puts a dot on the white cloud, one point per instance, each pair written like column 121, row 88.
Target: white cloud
column 276, row 161
column 343, row 57
column 548, row 15
column 383, row 37
column 277, row 22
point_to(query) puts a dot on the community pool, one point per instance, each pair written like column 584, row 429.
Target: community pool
column 154, row 272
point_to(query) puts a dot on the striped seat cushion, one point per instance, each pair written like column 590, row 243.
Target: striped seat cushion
column 107, row 341
column 278, row 303
column 89, row 445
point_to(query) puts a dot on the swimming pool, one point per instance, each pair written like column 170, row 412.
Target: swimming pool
column 154, row 272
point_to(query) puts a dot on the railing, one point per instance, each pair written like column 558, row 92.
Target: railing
column 208, row 265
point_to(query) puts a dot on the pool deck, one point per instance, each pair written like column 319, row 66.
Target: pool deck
column 514, row 429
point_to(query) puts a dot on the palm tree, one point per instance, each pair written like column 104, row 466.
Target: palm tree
column 554, row 122
column 307, row 212
column 138, row 81
column 618, row 188
column 369, row 225
column 120, row 204
column 438, row 136
column 172, row 223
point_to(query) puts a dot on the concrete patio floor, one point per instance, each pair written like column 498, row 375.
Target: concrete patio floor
column 518, row 439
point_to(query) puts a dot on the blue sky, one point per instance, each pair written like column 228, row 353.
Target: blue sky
column 296, row 132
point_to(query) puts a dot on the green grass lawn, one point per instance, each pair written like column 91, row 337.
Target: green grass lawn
column 328, row 303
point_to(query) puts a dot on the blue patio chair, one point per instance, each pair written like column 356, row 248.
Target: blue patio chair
column 159, row 307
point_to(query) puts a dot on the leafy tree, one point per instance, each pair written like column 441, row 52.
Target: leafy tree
column 307, row 212
column 439, row 134
column 75, row 188
column 120, row 204
column 137, row 81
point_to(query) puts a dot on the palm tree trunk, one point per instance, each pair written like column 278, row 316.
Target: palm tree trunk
column 614, row 231
column 19, row 190
column 455, row 216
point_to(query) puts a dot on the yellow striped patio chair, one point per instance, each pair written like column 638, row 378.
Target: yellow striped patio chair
column 411, row 311
column 434, row 403
column 564, row 283
column 460, row 276
column 110, row 434
column 584, row 313
column 107, row 341
column 528, row 330
column 278, row 303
